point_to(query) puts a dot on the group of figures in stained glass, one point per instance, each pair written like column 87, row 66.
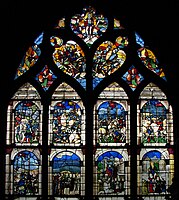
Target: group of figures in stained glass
column 154, row 116
column 111, row 120
column 27, row 122
column 111, row 123
column 66, row 122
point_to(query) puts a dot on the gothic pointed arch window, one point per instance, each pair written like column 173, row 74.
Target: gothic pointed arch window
column 91, row 118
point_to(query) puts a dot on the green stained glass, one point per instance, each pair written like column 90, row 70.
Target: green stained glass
column 66, row 173
column 111, row 123
column 27, row 122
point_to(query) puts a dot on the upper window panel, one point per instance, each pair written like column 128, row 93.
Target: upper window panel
column 70, row 59
column 108, row 58
column 148, row 58
column 89, row 26
column 46, row 77
column 112, row 119
column 155, row 123
column 24, row 117
column 66, row 117
column 31, row 56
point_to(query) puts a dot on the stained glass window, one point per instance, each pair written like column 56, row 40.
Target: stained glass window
column 90, row 122
column 155, row 133
column 112, row 165
column 24, row 131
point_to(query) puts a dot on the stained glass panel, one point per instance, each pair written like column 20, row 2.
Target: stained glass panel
column 66, row 122
column 66, row 172
column 26, row 173
column 31, row 57
column 155, row 124
column 27, row 123
column 155, row 169
column 70, row 59
column 89, row 26
column 112, row 119
column 25, row 166
column 46, row 77
column 111, row 173
column 108, row 58
column 24, row 117
column 150, row 61
column 132, row 77
column 111, row 123
column 66, row 117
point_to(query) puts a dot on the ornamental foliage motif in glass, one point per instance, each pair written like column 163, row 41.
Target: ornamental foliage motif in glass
column 108, row 58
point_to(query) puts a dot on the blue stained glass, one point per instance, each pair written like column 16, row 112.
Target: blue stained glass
column 139, row 40
column 156, row 108
column 66, row 173
column 26, row 160
column 152, row 155
column 109, row 155
column 111, row 123
column 26, row 173
column 110, row 108
column 27, row 120
column 39, row 39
